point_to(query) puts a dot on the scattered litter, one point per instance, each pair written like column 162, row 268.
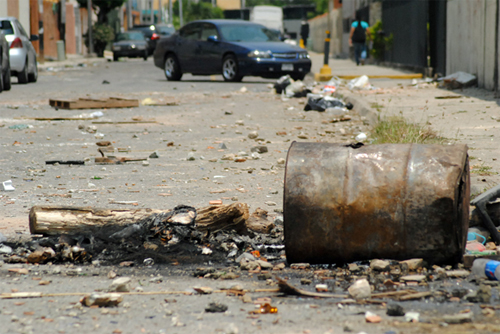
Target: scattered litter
column 297, row 89
column 7, row 186
column 159, row 102
column 361, row 82
column 216, row 308
column 102, row 299
column 265, row 309
column 321, row 103
column 65, row 162
column 282, row 83
column 459, row 80
column 89, row 103
column 361, row 137
column 412, row 316
column 20, row 126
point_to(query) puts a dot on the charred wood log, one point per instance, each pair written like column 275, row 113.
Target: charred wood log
column 56, row 220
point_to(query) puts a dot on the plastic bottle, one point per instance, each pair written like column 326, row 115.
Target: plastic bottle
column 485, row 268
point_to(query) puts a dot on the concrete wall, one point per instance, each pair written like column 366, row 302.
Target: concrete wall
column 318, row 27
column 471, row 39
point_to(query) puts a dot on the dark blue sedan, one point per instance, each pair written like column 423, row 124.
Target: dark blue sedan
column 231, row 47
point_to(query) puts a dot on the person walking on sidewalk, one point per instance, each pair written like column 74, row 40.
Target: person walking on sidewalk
column 357, row 38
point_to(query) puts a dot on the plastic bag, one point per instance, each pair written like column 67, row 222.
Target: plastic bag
column 359, row 83
column 321, row 103
column 282, row 83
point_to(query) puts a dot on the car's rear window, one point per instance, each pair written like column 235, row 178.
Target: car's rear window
column 247, row 33
column 6, row 27
column 146, row 30
column 130, row 36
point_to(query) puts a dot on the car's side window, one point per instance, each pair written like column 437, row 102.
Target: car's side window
column 191, row 32
column 208, row 30
column 6, row 27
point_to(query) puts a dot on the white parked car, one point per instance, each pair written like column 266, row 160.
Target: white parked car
column 22, row 53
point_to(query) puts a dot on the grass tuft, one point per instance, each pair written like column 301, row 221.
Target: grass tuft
column 394, row 130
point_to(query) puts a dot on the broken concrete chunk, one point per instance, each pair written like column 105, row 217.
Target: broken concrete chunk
column 380, row 265
column 360, row 289
column 253, row 135
column 413, row 278
column 459, row 318
column 259, row 149
column 246, row 264
column 414, row 264
column 121, row 284
column 395, row 310
column 102, row 299
column 216, row 307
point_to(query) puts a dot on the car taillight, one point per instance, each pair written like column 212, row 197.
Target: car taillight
column 17, row 43
column 155, row 36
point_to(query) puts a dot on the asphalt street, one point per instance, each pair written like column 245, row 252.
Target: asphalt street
column 205, row 142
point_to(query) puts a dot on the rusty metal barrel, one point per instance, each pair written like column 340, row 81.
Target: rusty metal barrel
column 391, row 201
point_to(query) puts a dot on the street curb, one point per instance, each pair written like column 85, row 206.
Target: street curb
column 383, row 76
column 69, row 62
column 362, row 107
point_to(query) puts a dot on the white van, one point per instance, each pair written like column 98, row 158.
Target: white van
column 269, row 16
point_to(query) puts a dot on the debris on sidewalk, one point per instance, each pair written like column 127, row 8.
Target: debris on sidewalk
column 102, row 299
column 159, row 102
column 7, row 186
column 94, row 103
column 362, row 82
column 458, row 80
column 282, row 83
column 321, row 103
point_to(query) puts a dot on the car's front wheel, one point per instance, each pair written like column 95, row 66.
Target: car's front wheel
column 172, row 68
column 230, row 69
column 22, row 76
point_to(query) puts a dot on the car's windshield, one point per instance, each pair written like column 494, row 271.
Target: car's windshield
column 247, row 33
column 6, row 27
column 130, row 36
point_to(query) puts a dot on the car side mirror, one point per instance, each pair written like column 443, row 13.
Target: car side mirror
column 34, row 38
column 212, row 38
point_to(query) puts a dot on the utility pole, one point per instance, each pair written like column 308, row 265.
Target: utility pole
column 325, row 73
column 180, row 13
column 152, row 12
column 170, row 12
column 62, row 20
column 130, row 19
column 40, row 31
column 89, row 30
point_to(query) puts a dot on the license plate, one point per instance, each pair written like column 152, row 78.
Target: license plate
column 287, row 67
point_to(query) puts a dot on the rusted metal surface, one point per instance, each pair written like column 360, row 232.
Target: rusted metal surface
column 393, row 201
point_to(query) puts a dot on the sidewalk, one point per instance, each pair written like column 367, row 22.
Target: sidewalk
column 471, row 117
column 70, row 61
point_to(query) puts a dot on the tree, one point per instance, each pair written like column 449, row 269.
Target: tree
column 104, row 6
column 196, row 11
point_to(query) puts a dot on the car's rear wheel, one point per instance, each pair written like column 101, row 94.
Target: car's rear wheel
column 22, row 76
column 145, row 56
column 33, row 77
column 6, row 79
column 1, row 83
column 230, row 69
column 172, row 69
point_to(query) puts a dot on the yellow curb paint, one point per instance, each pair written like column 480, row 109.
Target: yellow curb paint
column 385, row 76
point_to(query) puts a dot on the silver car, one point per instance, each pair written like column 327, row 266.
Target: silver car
column 4, row 63
column 22, row 53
